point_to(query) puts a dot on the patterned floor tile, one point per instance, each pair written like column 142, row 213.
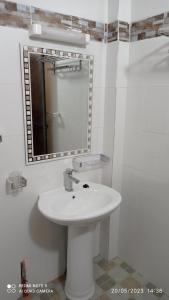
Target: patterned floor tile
column 98, row 271
column 164, row 297
column 140, row 278
column 145, row 297
column 45, row 297
column 103, row 297
column 117, row 260
column 114, row 295
column 35, row 297
column 97, row 258
column 109, row 276
column 130, row 282
column 150, row 286
column 105, row 265
column 98, row 293
column 55, row 297
column 126, row 267
column 105, row 282
column 118, row 274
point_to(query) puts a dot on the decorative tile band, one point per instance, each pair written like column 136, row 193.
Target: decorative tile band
column 148, row 28
column 117, row 30
column 21, row 16
column 111, row 32
column 124, row 31
column 15, row 15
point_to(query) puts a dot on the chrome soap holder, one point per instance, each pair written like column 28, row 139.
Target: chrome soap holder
column 15, row 182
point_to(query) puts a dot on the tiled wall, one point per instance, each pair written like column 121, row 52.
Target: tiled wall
column 149, row 27
column 21, row 16
column 144, row 182
column 22, row 228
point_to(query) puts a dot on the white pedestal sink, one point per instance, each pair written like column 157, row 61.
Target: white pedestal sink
column 80, row 210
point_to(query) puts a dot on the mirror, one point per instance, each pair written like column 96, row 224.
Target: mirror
column 57, row 102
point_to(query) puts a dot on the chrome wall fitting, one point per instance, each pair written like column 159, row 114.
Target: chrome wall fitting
column 15, row 182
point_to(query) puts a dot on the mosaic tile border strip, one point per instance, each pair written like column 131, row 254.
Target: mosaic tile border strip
column 95, row 29
column 30, row 158
column 111, row 32
column 14, row 15
column 124, row 31
column 117, row 30
column 148, row 28
column 21, row 16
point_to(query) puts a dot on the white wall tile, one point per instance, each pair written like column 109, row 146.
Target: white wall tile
column 95, row 10
column 143, row 9
column 111, row 64
column 144, row 218
column 45, row 255
column 113, row 10
column 149, row 62
column 144, row 168
column 109, row 132
column 125, row 10
column 119, row 137
column 148, row 109
column 123, row 64
column 11, row 112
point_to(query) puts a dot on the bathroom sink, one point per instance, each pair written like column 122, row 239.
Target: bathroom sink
column 80, row 210
column 89, row 202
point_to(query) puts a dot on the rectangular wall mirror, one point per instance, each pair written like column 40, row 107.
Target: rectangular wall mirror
column 57, row 89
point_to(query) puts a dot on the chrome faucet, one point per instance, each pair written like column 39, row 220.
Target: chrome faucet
column 69, row 179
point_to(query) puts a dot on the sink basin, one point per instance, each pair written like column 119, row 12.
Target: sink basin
column 80, row 210
column 83, row 205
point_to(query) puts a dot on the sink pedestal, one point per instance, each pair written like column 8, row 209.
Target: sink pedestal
column 80, row 283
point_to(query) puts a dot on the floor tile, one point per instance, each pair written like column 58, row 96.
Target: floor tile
column 109, row 276
column 98, row 271
column 113, row 295
column 103, row 297
column 97, row 258
column 45, row 297
column 117, row 260
column 126, row 267
column 130, row 282
column 98, row 293
column 105, row 282
column 145, row 297
column 118, row 274
column 35, row 297
column 55, row 297
column 150, row 285
column 105, row 265
column 140, row 278
column 164, row 297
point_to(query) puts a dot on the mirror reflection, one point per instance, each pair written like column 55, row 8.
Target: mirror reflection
column 59, row 93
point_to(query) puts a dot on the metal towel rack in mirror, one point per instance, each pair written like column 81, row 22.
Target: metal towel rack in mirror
column 57, row 95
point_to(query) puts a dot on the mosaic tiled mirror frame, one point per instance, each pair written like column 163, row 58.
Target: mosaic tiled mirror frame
column 26, row 51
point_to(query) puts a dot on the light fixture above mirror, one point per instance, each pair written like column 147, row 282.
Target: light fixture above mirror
column 42, row 32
